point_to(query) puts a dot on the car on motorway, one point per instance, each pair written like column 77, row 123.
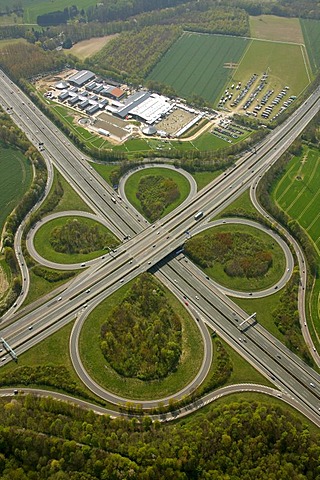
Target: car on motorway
column 30, row 327
column 186, row 303
column 59, row 298
column 3, row 359
column 312, row 385
column 197, row 298
column 88, row 290
column 83, row 264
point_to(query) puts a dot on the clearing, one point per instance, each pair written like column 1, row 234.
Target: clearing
column 279, row 29
column 86, row 48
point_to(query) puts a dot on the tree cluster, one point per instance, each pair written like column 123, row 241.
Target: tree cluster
column 142, row 336
column 287, row 319
column 155, row 193
column 51, row 276
column 57, row 377
column 78, row 237
column 241, row 254
column 44, row 439
column 204, row 17
column 133, row 54
column 26, row 60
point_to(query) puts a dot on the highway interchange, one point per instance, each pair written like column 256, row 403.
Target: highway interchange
column 150, row 244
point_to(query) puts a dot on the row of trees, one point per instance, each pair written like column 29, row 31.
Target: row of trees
column 241, row 254
column 12, row 136
column 142, row 336
column 43, row 439
column 287, row 319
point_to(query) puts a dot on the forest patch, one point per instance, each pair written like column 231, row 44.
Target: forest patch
column 155, row 193
column 78, row 237
column 142, row 336
column 240, row 254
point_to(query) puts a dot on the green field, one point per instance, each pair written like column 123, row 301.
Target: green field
column 285, row 64
column 298, row 194
column 33, row 8
column 311, row 34
column 195, row 64
column 15, row 179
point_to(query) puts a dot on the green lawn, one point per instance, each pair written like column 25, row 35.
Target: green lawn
column 96, row 365
column 284, row 63
column 242, row 205
column 70, row 200
column 195, row 64
column 104, row 170
column 54, row 350
column 133, row 181
column 203, row 178
column 311, row 34
column 44, row 248
column 40, row 287
column 263, row 308
column 274, row 273
column 15, row 179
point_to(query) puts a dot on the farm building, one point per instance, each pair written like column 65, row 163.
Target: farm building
column 92, row 109
column 80, row 78
column 84, row 104
column 63, row 96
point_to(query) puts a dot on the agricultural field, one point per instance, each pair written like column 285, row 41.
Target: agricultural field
column 15, row 179
column 278, row 29
column 298, row 194
column 33, row 8
column 311, row 33
column 285, row 63
column 199, row 64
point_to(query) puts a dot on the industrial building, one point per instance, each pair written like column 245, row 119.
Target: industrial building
column 79, row 79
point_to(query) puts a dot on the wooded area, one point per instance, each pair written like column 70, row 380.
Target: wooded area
column 44, row 439
column 78, row 237
column 241, row 254
column 142, row 336
column 155, row 193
